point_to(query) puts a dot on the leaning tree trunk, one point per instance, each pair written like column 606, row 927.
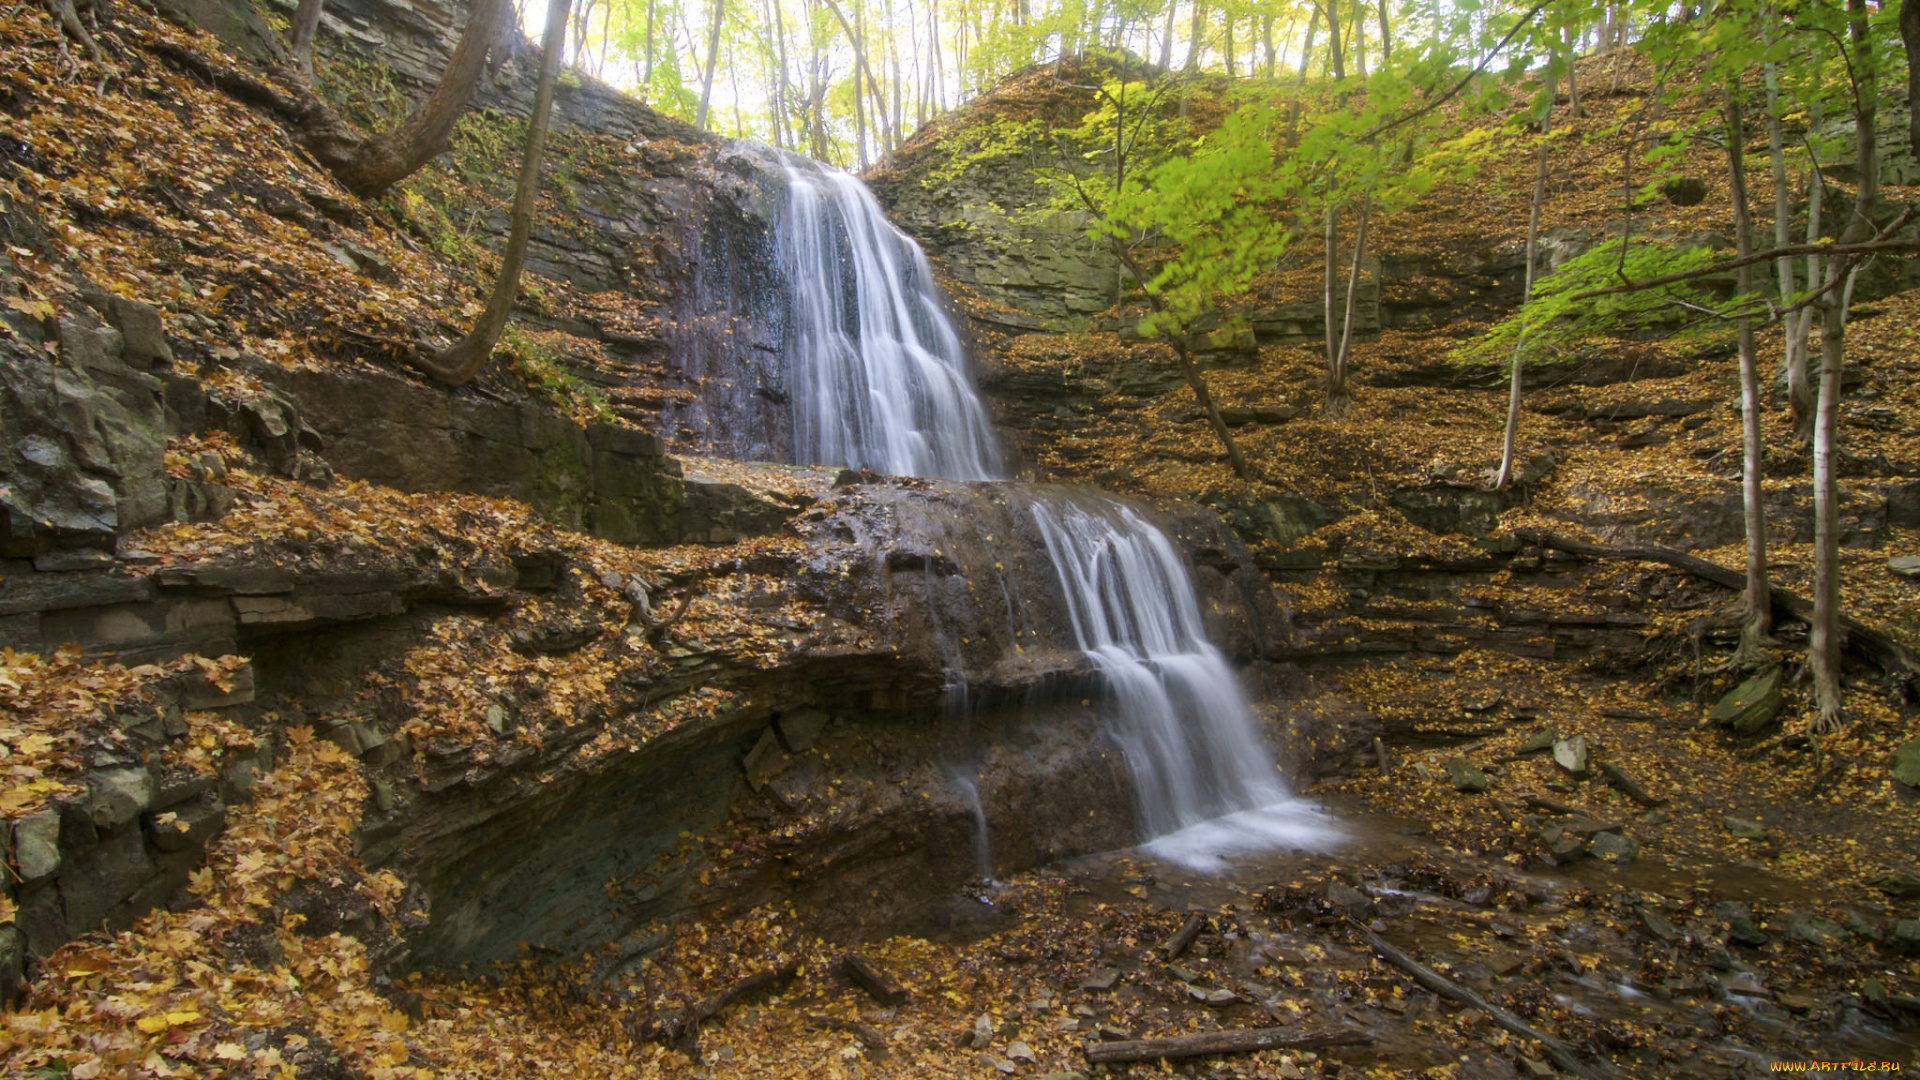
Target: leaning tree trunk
column 369, row 166
column 1339, row 401
column 1757, row 622
column 1512, row 433
column 461, row 363
column 713, row 59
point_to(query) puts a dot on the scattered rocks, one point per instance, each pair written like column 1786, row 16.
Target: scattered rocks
column 1905, row 937
column 1742, row 829
column 1538, row 741
column 1613, row 847
column 1467, row 776
column 117, row 796
column 1572, row 755
column 1906, row 763
column 36, row 845
column 1813, row 929
column 1752, row 705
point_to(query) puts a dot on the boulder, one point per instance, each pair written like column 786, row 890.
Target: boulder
column 1613, row 847
column 117, row 796
column 141, row 330
column 1813, row 929
column 1467, row 776
column 1752, row 705
column 1906, row 763
column 36, row 845
column 1572, row 755
column 1906, row 566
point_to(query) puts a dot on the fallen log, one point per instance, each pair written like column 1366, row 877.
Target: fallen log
column 680, row 1028
column 1619, row 778
column 868, row 1036
column 1560, row 1053
column 1539, row 802
column 1243, row 1041
column 1869, row 644
column 1183, row 937
column 880, row 986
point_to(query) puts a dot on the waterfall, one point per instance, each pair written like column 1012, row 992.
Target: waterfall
column 878, row 379
column 1204, row 782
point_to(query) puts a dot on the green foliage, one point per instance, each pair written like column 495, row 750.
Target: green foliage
column 1555, row 323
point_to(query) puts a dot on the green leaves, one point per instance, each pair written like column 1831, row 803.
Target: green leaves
column 1554, row 323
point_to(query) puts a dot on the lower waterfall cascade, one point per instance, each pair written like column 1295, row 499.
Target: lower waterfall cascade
column 877, row 379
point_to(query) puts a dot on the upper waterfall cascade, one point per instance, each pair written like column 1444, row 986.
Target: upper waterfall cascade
column 878, row 377
column 878, row 380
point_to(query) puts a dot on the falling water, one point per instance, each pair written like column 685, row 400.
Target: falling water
column 878, row 377
column 878, row 380
column 982, row 852
column 1205, row 783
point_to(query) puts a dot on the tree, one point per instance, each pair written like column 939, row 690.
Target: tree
column 1756, row 624
column 1823, row 645
column 1510, row 436
column 713, row 60
column 369, row 165
column 459, row 364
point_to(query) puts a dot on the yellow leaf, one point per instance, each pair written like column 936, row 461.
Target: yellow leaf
column 152, row 1025
column 39, row 309
column 230, row 1051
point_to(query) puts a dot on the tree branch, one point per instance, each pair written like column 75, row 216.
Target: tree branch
column 1878, row 244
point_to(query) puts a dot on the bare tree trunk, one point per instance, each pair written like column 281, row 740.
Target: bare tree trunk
column 1357, row 38
column 646, row 80
column 1573, row 76
column 1757, row 624
column 458, row 365
column 1306, row 51
column 300, row 32
column 859, row 103
column 1511, row 435
column 1782, row 213
column 1801, row 392
column 1339, row 402
column 1910, row 38
column 1386, row 34
column 713, row 61
column 1335, row 60
column 1823, row 646
column 1166, row 37
column 1330, row 230
column 1193, row 38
